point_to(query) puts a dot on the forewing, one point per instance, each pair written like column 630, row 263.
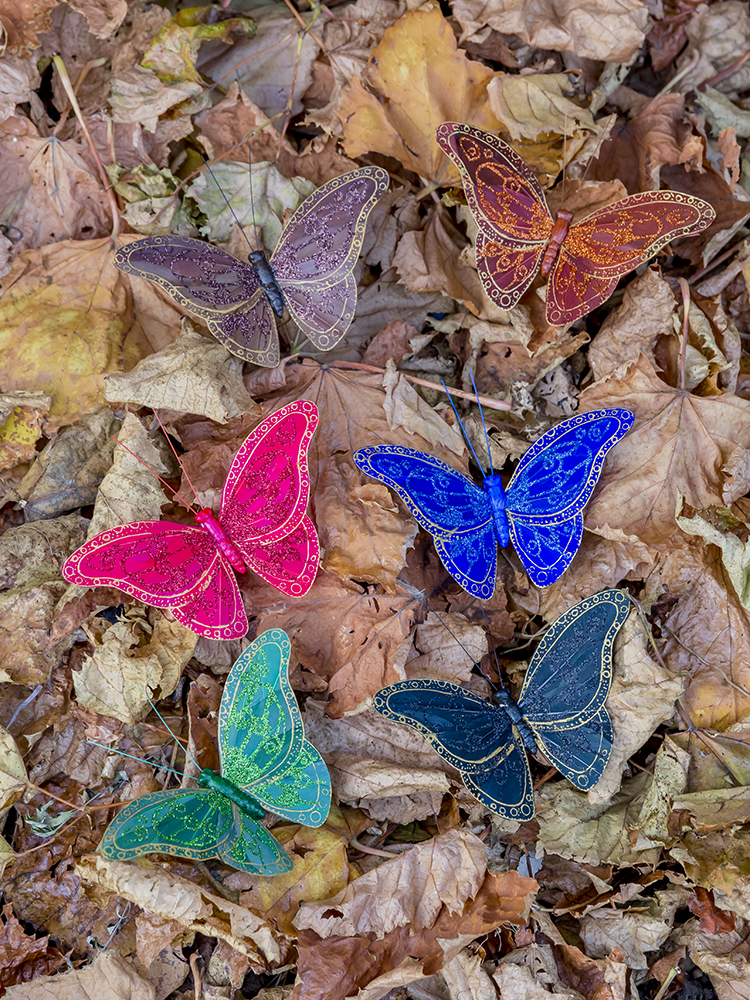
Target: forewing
column 567, row 683
column 321, row 243
column 212, row 284
column 268, row 485
column 255, row 849
column 323, row 314
column 506, row 270
column 189, row 823
column 546, row 550
column 469, row 733
column 609, row 243
column 505, row 197
column 557, row 475
column 289, row 564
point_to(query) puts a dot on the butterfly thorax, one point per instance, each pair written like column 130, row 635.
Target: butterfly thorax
column 208, row 520
column 518, row 719
column 268, row 281
column 244, row 802
column 558, row 234
column 494, row 488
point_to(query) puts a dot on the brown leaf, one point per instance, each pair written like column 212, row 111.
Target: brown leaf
column 23, row 20
column 23, row 957
column 391, row 344
column 417, row 79
column 712, row 919
column 109, row 977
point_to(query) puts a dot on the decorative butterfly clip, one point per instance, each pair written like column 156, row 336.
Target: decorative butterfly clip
column 540, row 511
column 262, row 525
column 266, row 764
column 517, row 237
column 309, row 273
column 560, row 712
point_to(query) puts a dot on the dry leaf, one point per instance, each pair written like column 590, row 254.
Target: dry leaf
column 21, row 418
column 109, row 977
column 531, row 106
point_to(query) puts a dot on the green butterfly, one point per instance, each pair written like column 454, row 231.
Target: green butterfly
column 266, row 763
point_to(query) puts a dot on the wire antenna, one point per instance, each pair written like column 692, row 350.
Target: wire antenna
column 174, row 452
column 229, row 206
column 460, row 424
column 258, row 240
column 189, row 756
column 121, row 753
column 454, row 636
column 484, row 425
column 162, row 481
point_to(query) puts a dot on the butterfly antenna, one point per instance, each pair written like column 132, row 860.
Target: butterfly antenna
column 121, row 753
column 258, row 244
column 174, row 452
column 460, row 424
column 484, row 426
column 453, row 634
column 162, row 481
column 189, row 756
column 223, row 195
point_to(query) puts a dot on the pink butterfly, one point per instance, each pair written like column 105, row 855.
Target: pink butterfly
column 262, row 525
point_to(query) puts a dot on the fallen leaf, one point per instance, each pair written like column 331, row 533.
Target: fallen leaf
column 109, row 977
column 634, row 933
column 417, row 79
column 21, row 418
column 173, row 53
column 139, row 97
column 530, row 106
column 24, row 957
column 712, row 919
column 22, row 23
column 192, row 375
column 593, row 30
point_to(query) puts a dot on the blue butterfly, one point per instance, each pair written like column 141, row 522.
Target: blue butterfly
column 560, row 712
column 540, row 511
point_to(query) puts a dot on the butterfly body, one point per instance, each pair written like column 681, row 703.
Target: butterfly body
column 262, row 525
column 266, row 765
column 517, row 238
column 560, row 712
column 309, row 272
column 540, row 511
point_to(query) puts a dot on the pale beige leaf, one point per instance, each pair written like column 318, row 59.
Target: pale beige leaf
column 670, row 780
column 193, row 375
column 446, row 647
column 139, row 96
column 132, row 664
column 535, row 105
column 12, row 771
column 174, row 898
column 108, row 977
column 636, row 933
column 735, row 554
column 409, row 891
column 406, row 410
column 467, row 980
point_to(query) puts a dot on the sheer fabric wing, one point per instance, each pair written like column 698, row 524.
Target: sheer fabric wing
column 266, row 495
column 609, row 243
column 213, row 285
column 255, row 850
column 506, row 270
column 215, row 611
column 323, row 314
column 261, row 736
column 469, row 733
column 546, row 550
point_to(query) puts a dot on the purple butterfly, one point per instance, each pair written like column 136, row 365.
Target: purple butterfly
column 310, row 272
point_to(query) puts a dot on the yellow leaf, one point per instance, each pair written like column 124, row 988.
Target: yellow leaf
column 173, row 52
column 418, row 79
column 64, row 322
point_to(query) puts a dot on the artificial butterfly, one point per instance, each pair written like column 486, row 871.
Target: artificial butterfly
column 518, row 238
column 559, row 712
column 310, row 272
column 540, row 511
column 266, row 764
column 262, row 525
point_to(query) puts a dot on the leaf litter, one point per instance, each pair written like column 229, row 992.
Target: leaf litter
column 410, row 889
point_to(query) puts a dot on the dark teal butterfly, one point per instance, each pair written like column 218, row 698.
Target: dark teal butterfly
column 266, row 764
column 560, row 712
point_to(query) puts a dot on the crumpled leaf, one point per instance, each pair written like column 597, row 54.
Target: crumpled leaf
column 418, row 79
column 405, row 409
column 594, row 30
column 124, row 674
column 678, row 442
column 23, row 22
column 642, row 696
column 108, row 977
column 634, row 933
column 21, row 416
column 24, row 956
column 64, row 302
column 734, row 553
column 192, row 375
column 173, row 53
column 722, row 113
column 139, row 97
column 530, row 106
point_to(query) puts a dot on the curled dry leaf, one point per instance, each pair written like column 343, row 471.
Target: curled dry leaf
column 132, row 665
column 592, row 30
column 418, row 78
column 175, row 898
column 530, row 106
column 139, row 97
column 193, row 375
column 21, row 418
column 109, row 977
column 409, row 891
column 635, row 933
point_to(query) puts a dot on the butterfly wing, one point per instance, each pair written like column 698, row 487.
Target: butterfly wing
column 193, row 823
column 508, row 206
column 213, row 285
column 262, row 741
column 265, row 497
column 314, row 259
column 166, row 565
column 552, row 484
column 567, row 683
column 469, row 733
column 456, row 512
column 609, row 243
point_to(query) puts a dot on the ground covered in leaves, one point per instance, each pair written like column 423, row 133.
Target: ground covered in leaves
column 410, row 889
